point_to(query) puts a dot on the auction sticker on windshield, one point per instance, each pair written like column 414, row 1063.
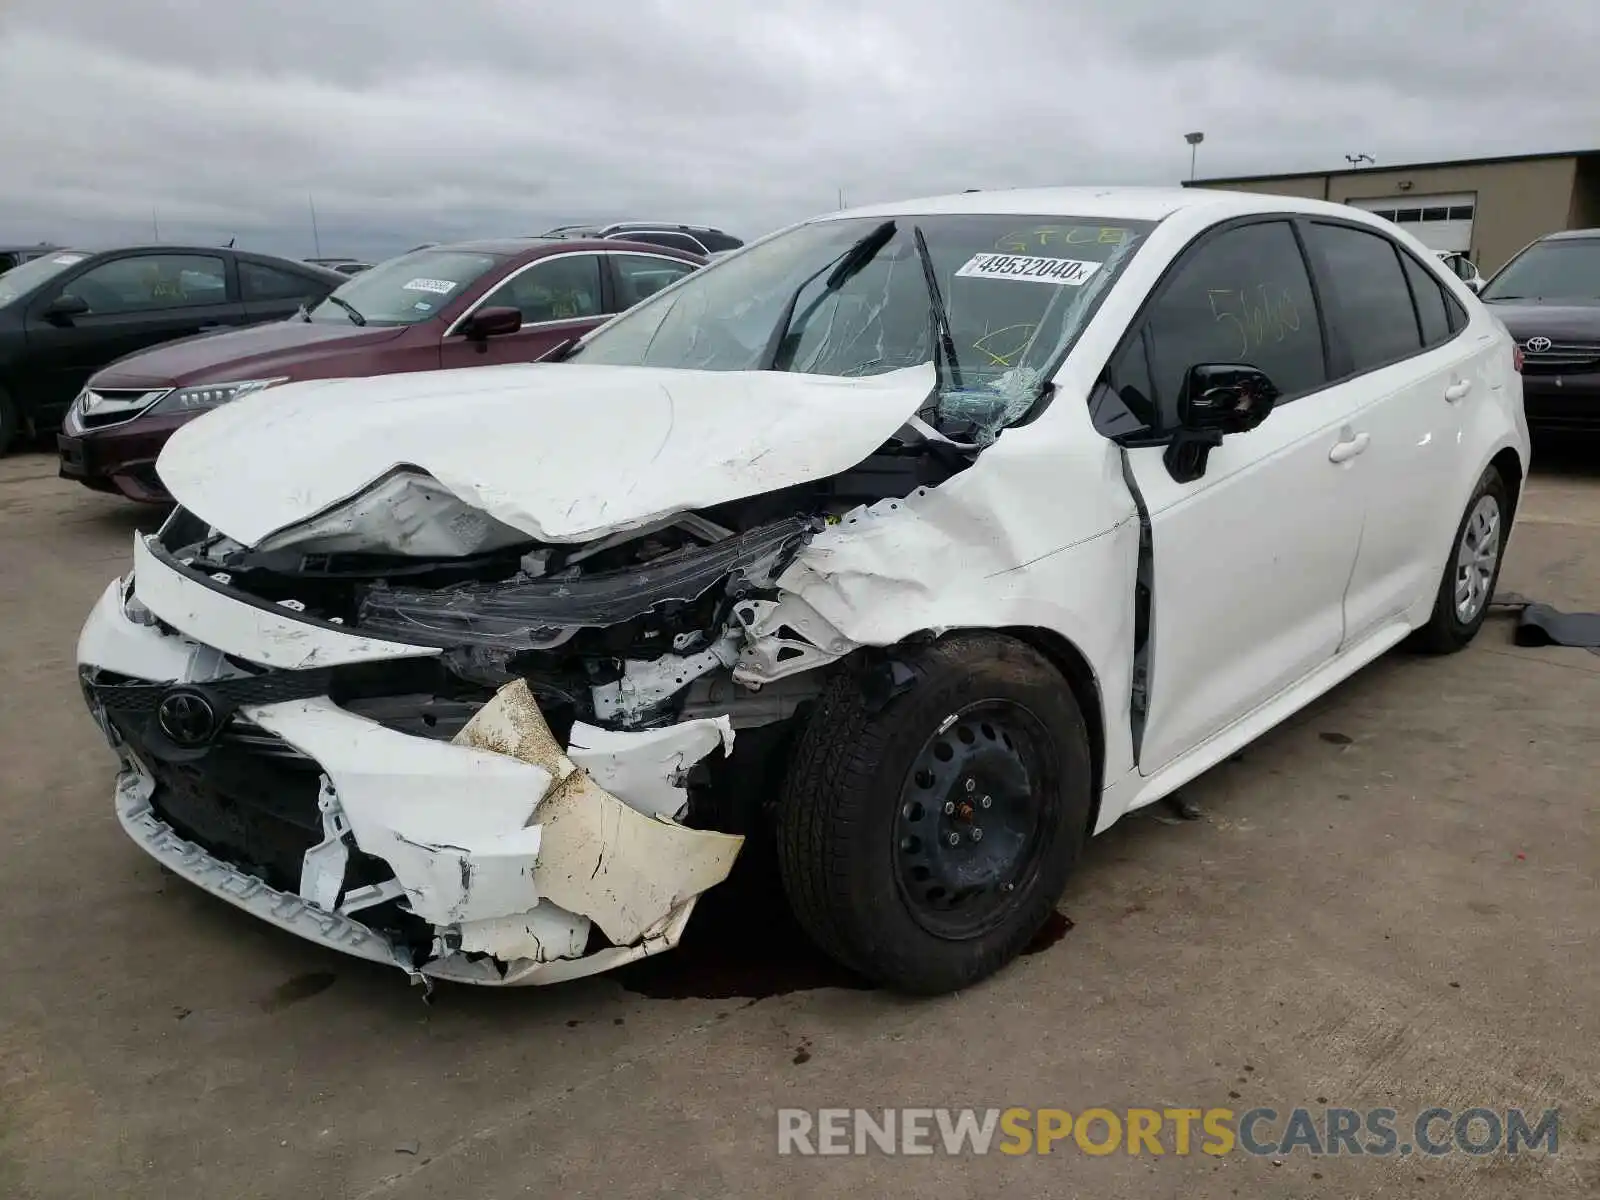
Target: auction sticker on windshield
column 1063, row 272
column 441, row 286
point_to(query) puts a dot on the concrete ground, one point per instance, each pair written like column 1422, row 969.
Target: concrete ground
column 1390, row 901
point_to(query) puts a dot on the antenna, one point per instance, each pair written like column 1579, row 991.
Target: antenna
column 155, row 225
column 316, row 238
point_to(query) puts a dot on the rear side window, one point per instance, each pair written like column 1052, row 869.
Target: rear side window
column 677, row 241
column 1429, row 294
column 639, row 276
column 1370, row 301
column 1242, row 296
column 259, row 282
column 717, row 241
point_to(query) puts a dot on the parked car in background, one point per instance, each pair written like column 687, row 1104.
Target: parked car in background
column 15, row 256
column 65, row 315
column 919, row 543
column 1462, row 267
column 345, row 266
column 697, row 239
column 462, row 305
column 1548, row 296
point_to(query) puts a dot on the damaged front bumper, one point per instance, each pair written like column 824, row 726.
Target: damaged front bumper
column 495, row 857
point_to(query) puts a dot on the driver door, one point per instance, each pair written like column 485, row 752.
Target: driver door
column 559, row 297
column 1250, row 560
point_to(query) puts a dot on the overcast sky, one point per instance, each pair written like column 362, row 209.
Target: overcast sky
column 427, row 120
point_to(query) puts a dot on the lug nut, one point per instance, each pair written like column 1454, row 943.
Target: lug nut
column 972, row 785
column 949, row 807
column 954, row 839
column 977, row 835
column 987, row 801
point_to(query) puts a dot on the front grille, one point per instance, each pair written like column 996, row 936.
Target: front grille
column 112, row 406
column 1561, row 357
column 255, row 810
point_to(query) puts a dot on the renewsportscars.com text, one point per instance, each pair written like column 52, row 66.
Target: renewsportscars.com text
column 1376, row 1132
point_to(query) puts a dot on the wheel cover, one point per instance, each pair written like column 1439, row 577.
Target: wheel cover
column 972, row 819
column 1477, row 556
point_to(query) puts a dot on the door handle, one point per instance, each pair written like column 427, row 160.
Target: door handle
column 1457, row 390
column 1346, row 450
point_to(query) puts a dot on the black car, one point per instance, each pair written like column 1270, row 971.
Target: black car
column 696, row 239
column 1548, row 296
column 68, row 313
column 15, row 256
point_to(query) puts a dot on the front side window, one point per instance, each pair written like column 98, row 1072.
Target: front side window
column 405, row 290
column 1562, row 269
column 151, row 282
column 1370, row 298
column 560, row 289
column 640, row 276
column 1242, row 296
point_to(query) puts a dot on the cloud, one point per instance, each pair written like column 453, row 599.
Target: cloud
column 418, row 121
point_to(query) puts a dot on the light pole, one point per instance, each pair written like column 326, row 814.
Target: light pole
column 1194, row 140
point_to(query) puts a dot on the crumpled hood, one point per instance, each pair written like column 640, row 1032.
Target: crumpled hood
column 564, row 452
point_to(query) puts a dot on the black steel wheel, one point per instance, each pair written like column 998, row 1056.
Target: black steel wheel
column 971, row 820
column 924, row 841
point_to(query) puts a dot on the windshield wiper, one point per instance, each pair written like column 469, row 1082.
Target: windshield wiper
column 937, row 313
column 350, row 309
column 845, row 266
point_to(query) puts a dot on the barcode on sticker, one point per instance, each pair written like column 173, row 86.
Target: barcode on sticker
column 441, row 286
column 1029, row 268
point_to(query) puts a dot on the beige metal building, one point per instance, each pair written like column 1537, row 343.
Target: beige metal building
column 1488, row 207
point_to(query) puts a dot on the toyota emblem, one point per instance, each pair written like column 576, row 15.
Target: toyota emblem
column 187, row 717
column 1536, row 345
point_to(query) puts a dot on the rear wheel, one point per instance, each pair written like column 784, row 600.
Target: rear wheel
column 924, row 842
column 1472, row 571
column 10, row 423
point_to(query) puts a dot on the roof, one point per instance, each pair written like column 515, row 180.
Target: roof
column 1127, row 203
column 1413, row 166
column 1570, row 235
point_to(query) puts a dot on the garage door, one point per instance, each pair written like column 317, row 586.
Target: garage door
column 1440, row 222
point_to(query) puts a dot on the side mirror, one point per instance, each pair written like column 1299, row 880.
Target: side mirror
column 1475, row 284
column 1226, row 397
column 1216, row 399
column 492, row 322
column 66, row 306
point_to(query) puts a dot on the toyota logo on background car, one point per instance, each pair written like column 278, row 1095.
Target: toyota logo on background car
column 187, row 717
column 1536, row 345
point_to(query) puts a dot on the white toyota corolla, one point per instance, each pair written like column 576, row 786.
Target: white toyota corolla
column 926, row 540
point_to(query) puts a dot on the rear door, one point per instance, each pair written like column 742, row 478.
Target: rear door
column 1250, row 560
column 272, row 293
column 1397, row 335
column 135, row 301
column 560, row 297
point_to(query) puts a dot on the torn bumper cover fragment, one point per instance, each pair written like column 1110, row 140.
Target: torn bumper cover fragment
column 491, row 858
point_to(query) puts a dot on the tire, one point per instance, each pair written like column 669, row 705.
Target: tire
column 10, row 422
column 1449, row 628
column 871, row 799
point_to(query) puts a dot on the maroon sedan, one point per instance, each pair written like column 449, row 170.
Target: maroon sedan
column 464, row 305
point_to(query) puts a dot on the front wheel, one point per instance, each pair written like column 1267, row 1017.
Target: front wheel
column 1472, row 571
column 923, row 843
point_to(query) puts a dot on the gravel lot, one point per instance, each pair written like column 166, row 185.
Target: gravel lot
column 1391, row 900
